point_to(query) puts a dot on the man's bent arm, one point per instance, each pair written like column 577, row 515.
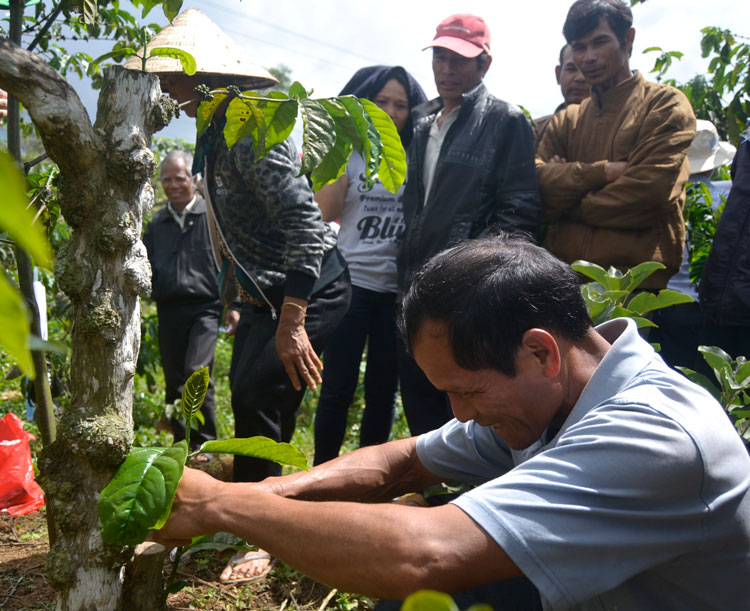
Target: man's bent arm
column 563, row 185
column 655, row 174
column 385, row 550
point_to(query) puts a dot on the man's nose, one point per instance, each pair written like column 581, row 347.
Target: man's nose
column 462, row 410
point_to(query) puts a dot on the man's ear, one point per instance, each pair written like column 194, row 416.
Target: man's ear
column 558, row 72
column 544, row 349
column 629, row 38
column 486, row 65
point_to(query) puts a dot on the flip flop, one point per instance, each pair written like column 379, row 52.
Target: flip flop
column 241, row 558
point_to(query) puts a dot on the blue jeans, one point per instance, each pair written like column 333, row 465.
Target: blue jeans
column 370, row 320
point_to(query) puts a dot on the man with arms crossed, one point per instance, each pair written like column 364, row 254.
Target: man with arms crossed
column 612, row 170
column 471, row 172
column 604, row 476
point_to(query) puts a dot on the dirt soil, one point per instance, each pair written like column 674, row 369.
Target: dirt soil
column 23, row 584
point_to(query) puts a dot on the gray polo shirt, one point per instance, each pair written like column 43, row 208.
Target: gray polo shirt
column 640, row 501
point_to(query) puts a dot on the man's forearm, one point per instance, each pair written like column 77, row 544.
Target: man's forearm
column 375, row 473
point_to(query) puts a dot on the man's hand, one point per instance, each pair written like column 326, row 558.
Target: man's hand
column 615, row 169
column 231, row 319
column 3, row 103
column 293, row 345
column 196, row 493
column 558, row 159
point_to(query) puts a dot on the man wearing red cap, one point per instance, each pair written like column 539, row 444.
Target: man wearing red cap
column 471, row 172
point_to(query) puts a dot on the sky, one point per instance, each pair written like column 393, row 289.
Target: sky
column 325, row 41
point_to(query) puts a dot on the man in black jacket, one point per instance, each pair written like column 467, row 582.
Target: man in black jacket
column 471, row 172
column 185, row 288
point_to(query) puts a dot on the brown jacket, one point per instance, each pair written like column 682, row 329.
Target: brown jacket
column 638, row 217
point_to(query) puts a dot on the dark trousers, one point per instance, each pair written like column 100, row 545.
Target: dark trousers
column 678, row 333
column 187, row 339
column 426, row 408
column 264, row 401
column 370, row 320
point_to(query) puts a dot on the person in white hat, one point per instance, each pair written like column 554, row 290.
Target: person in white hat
column 282, row 256
column 679, row 326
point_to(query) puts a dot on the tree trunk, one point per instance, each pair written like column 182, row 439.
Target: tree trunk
column 104, row 190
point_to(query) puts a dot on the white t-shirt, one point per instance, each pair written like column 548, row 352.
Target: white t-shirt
column 372, row 224
column 641, row 501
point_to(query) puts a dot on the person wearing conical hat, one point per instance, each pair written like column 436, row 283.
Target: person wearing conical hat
column 292, row 280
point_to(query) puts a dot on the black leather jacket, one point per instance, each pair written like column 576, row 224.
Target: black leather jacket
column 724, row 288
column 484, row 180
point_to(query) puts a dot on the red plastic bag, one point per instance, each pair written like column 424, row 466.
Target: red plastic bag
column 19, row 493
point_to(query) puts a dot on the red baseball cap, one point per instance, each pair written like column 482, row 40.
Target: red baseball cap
column 467, row 35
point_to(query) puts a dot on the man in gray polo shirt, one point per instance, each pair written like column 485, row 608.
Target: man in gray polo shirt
column 605, row 477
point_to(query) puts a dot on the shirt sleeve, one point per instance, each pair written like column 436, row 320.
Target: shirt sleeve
column 600, row 506
column 289, row 202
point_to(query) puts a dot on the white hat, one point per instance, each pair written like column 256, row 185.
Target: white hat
column 215, row 53
column 706, row 151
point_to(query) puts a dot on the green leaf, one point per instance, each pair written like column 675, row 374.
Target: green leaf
column 392, row 169
column 368, row 150
column 716, row 358
column 206, row 110
column 118, row 53
column 429, row 600
column 243, row 120
column 14, row 326
column 591, row 270
column 646, row 302
column 194, row 392
column 186, row 59
column 259, row 447
column 280, row 118
column 41, row 345
column 171, row 8
column 139, row 497
column 219, row 542
column 16, row 218
column 636, row 275
column 334, row 163
column 297, row 91
column 345, row 122
column 319, row 134
column 743, row 372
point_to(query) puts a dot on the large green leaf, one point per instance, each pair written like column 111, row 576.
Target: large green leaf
column 89, row 11
column 259, row 447
column 635, row 275
column 392, row 168
column 194, row 391
column 16, row 218
column 171, row 8
column 296, row 90
column 140, row 495
column 646, row 302
column 118, row 53
column 715, row 357
column 319, row 134
column 591, row 270
column 334, row 163
column 280, row 118
column 345, row 123
column 743, row 372
column 186, row 59
column 14, row 326
column 206, row 110
column 429, row 600
column 368, row 149
column 243, row 120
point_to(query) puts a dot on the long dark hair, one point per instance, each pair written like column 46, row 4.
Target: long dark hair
column 367, row 83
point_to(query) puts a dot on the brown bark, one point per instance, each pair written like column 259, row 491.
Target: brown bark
column 104, row 190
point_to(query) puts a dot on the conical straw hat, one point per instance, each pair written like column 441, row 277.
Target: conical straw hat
column 215, row 53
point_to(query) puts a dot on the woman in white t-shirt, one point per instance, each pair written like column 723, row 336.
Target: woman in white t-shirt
column 372, row 223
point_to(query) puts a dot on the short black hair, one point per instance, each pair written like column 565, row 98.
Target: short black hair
column 583, row 17
column 488, row 293
column 562, row 53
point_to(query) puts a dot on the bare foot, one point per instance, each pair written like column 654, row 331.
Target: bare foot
column 246, row 567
